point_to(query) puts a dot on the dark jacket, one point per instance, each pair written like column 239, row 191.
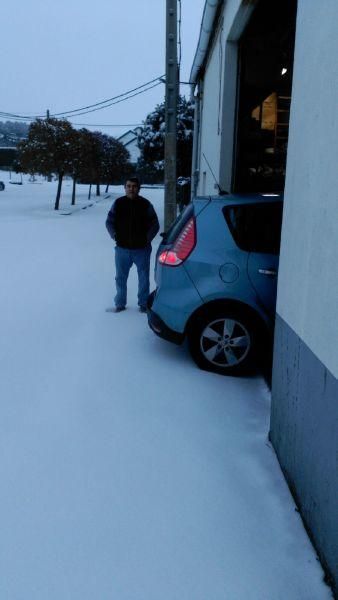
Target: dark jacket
column 132, row 223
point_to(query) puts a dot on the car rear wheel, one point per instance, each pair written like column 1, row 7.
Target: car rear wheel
column 223, row 342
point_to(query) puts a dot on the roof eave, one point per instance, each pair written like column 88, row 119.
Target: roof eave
column 209, row 17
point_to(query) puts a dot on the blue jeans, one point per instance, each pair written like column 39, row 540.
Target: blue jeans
column 124, row 259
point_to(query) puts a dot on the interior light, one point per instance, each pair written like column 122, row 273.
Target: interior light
column 284, row 70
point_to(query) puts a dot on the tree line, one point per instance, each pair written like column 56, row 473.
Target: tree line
column 53, row 146
column 12, row 132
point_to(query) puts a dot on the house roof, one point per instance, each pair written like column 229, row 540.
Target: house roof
column 132, row 133
column 211, row 13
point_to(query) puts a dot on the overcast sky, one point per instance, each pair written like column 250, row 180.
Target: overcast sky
column 71, row 53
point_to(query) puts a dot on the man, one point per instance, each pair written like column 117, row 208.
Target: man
column 132, row 222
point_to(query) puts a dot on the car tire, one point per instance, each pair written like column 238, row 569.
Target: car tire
column 2, row 186
column 223, row 341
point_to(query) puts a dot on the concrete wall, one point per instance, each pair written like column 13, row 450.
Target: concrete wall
column 304, row 414
column 218, row 99
column 308, row 275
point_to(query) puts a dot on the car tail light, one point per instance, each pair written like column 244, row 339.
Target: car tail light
column 182, row 248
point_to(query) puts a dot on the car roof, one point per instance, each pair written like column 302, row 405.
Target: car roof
column 244, row 198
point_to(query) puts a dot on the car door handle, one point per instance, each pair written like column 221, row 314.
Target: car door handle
column 268, row 272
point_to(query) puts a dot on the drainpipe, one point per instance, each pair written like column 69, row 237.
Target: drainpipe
column 207, row 26
column 196, row 144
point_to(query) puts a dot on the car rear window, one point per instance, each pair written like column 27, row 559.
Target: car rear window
column 177, row 226
column 256, row 227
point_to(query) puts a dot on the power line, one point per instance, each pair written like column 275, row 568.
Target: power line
column 108, row 124
column 12, row 116
column 116, row 102
column 92, row 107
column 113, row 98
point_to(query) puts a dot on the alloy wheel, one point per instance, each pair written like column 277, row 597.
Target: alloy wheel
column 225, row 343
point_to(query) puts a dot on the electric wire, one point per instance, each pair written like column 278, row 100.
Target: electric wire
column 91, row 107
column 116, row 102
column 109, row 124
column 114, row 97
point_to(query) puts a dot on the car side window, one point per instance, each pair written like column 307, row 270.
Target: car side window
column 256, row 227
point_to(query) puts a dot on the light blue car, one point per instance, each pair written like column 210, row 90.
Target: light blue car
column 216, row 278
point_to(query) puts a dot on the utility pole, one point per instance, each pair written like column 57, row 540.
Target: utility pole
column 49, row 177
column 171, row 93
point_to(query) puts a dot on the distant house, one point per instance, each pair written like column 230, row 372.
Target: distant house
column 129, row 140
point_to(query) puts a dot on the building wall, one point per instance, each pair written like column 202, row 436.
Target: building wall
column 133, row 150
column 304, row 413
column 130, row 141
column 210, row 138
column 218, row 87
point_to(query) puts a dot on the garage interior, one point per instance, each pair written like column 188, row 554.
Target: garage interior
column 264, row 94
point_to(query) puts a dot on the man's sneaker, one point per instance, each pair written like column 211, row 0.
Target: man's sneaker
column 115, row 309
column 142, row 309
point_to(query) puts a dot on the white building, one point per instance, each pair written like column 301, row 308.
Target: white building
column 129, row 140
column 265, row 79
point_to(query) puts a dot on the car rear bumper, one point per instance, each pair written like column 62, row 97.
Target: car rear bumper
column 159, row 327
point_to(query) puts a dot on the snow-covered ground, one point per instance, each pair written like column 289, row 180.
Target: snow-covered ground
column 126, row 473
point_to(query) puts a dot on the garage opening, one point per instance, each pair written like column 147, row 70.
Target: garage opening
column 265, row 85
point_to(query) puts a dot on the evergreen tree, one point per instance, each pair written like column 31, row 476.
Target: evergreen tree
column 53, row 146
column 91, row 157
column 115, row 161
column 85, row 156
column 101, row 159
column 83, row 150
column 48, row 149
column 151, row 141
column 76, row 161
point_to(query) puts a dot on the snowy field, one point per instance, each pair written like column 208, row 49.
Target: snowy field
column 126, row 473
